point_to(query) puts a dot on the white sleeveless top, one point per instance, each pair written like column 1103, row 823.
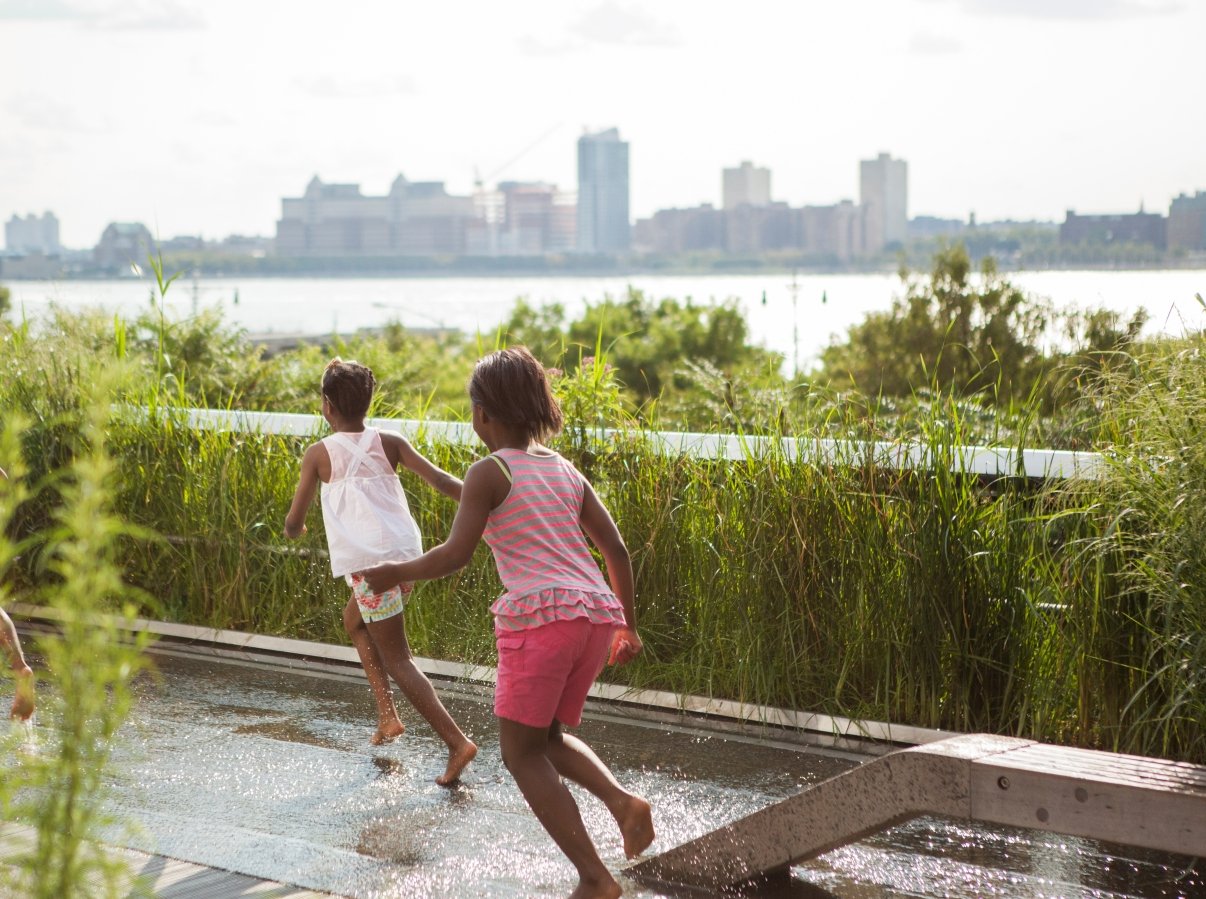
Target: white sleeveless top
column 364, row 507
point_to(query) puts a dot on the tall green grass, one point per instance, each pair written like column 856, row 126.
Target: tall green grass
column 1152, row 528
column 218, row 500
column 1071, row 612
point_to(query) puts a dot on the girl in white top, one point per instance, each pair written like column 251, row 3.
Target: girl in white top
column 367, row 520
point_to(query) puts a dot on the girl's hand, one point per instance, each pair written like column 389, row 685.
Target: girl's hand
column 626, row 645
column 382, row 578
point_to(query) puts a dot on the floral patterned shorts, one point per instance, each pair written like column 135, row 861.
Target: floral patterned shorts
column 378, row 606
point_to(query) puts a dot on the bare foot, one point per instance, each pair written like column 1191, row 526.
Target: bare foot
column 387, row 732
column 602, row 889
column 23, row 699
column 635, row 818
column 457, row 760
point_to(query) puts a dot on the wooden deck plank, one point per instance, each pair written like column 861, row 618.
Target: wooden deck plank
column 1152, row 803
column 169, row 878
column 1088, row 763
column 1089, row 804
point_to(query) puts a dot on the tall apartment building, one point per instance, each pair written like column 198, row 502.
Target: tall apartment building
column 603, row 225
column 747, row 185
column 416, row 218
column 1187, row 222
column 33, row 234
column 884, row 196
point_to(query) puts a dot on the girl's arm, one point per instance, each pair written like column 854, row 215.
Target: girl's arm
column 601, row 528
column 413, row 460
column 485, row 487
column 307, row 487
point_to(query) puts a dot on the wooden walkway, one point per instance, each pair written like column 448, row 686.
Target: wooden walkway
column 166, row 878
column 1124, row 799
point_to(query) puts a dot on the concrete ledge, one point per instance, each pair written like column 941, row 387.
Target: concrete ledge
column 723, row 710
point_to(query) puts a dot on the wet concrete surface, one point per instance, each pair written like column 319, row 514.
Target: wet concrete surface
column 269, row 772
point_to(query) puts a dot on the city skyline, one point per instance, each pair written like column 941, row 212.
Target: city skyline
column 185, row 116
column 536, row 218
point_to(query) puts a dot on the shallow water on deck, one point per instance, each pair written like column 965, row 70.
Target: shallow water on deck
column 269, row 772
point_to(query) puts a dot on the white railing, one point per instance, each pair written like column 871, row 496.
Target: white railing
column 978, row 460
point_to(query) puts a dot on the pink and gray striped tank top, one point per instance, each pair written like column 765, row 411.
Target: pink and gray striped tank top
column 542, row 555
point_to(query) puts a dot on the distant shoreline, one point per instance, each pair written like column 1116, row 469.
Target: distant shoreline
column 347, row 270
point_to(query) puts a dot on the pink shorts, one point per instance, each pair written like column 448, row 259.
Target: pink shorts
column 545, row 672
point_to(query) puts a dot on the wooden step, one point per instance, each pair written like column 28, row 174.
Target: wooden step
column 1146, row 802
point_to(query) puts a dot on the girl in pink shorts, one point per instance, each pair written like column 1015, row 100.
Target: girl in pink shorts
column 559, row 618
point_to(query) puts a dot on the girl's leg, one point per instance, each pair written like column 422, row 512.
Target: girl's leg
column 389, row 637
column 574, row 759
column 525, row 751
column 23, row 697
column 389, row 725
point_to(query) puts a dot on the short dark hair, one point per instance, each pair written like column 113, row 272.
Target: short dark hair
column 349, row 386
column 511, row 385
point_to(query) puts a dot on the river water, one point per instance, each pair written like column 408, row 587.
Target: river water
column 796, row 317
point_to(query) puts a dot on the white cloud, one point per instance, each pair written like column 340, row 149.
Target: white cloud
column 116, row 15
column 1073, row 9
column 161, row 16
column 331, row 87
column 611, row 23
column 44, row 10
column 929, row 44
column 534, row 46
column 42, row 113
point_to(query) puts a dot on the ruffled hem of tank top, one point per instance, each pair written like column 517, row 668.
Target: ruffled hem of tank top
column 555, row 604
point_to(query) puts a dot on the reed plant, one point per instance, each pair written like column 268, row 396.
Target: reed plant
column 87, row 664
column 836, row 584
column 1152, row 644
column 218, row 499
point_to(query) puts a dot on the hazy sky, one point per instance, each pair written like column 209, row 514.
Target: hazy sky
column 198, row 117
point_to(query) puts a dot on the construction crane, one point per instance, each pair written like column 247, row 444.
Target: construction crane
column 479, row 182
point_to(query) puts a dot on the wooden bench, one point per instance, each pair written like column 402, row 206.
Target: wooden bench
column 1126, row 799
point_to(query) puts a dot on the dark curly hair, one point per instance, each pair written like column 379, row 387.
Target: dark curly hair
column 511, row 385
column 349, row 386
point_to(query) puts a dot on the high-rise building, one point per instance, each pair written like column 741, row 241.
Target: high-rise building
column 603, row 225
column 1187, row 222
column 748, row 185
column 884, row 196
column 33, row 234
